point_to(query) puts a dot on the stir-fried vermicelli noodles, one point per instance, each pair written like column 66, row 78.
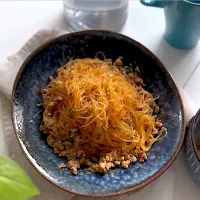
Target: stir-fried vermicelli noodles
column 97, row 113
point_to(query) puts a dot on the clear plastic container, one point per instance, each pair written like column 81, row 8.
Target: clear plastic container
column 96, row 14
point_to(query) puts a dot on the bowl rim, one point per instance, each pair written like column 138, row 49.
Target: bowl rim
column 192, row 133
column 32, row 160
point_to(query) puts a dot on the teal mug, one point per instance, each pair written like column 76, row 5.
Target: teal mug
column 182, row 19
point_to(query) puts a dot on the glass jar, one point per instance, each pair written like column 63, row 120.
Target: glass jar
column 96, row 14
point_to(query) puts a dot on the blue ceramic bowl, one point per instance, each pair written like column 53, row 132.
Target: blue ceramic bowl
column 192, row 156
column 33, row 76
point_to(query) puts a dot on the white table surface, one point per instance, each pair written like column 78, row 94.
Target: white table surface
column 19, row 20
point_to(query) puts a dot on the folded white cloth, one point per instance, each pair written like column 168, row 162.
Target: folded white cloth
column 175, row 184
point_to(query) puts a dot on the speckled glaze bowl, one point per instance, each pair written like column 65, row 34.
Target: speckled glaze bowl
column 33, row 76
column 192, row 156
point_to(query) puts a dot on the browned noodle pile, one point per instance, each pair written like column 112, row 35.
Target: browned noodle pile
column 97, row 113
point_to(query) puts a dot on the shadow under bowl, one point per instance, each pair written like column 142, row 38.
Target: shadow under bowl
column 34, row 75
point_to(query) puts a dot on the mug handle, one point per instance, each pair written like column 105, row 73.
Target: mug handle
column 155, row 3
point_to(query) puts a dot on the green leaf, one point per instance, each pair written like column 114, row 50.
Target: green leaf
column 14, row 182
